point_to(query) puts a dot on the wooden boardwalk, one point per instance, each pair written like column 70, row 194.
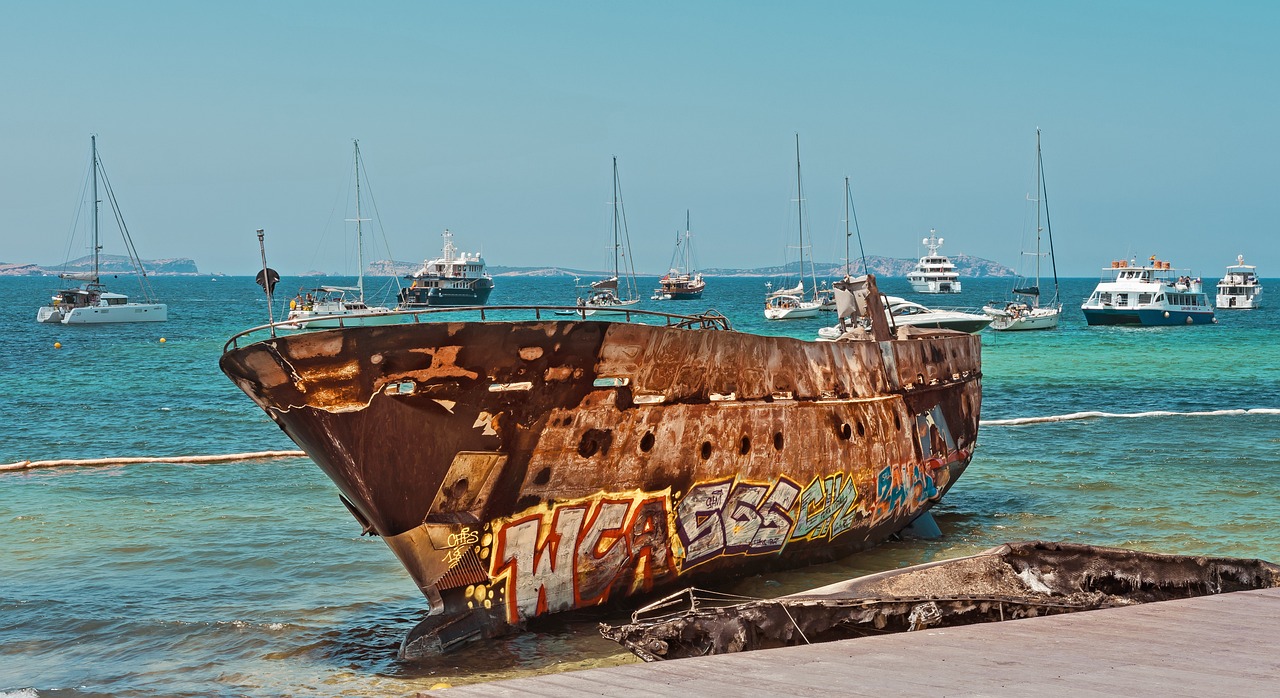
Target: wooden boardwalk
column 1224, row 645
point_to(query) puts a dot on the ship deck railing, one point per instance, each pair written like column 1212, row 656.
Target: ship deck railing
column 708, row 320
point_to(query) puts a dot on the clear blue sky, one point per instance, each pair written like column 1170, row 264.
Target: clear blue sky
column 498, row 121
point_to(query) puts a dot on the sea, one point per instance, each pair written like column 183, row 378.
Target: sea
column 250, row 578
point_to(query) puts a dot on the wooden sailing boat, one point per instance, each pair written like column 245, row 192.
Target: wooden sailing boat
column 790, row 303
column 1026, row 311
column 682, row 282
column 618, row 292
column 338, row 306
column 91, row 303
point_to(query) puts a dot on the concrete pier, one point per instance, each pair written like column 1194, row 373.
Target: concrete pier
column 1228, row 644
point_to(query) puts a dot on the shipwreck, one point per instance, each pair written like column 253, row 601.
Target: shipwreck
column 522, row 467
column 1008, row 582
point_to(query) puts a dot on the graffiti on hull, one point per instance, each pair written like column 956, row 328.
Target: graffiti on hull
column 583, row 552
column 576, row 554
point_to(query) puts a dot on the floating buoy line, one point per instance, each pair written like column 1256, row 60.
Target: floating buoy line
column 90, row 462
column 1075, row 416
column 267, row 455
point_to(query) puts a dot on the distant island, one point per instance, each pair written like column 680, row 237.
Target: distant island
column 107, row 264
column 888, row 267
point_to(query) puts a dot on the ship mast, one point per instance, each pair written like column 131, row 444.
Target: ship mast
column 1039, row 169
column 359, row 231
column 616, row 244
column 800, row 211
column 847, row 274
column 93, row 140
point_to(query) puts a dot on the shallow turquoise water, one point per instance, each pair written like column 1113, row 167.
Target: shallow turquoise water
column 251, row 578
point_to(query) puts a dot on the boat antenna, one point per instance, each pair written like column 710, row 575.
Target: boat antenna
column 267, row 279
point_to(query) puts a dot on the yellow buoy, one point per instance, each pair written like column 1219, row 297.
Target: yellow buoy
column 162, row 340
column 57, row 345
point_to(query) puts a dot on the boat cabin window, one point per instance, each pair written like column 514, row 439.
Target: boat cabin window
column 1122, row 299
column 1159, row 297
column 1144, row 298
column 117, row 301
column 1105, row 297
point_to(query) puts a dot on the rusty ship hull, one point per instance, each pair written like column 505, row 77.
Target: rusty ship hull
column 524, row 468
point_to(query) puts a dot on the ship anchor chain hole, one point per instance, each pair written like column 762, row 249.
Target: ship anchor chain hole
column 744, row 446
column 846, row 431
column 543, row 477
column 646, row 441
column 706, row 450
column 777, row 441
column 862, row 431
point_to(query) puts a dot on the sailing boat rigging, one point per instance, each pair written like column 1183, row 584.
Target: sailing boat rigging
column 619, row 291
column 790, row 303
column 340, row 306
column 91, row 302
column 1026, row 311
column 682, row 282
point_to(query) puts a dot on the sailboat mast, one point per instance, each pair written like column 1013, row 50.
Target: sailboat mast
column 359, row 229
column 1039, row 186
column 688, row 262
column 93, row 142
column 847, row 199
column 615, row 217
column 813, row 277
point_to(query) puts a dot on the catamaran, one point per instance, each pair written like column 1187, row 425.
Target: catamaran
column 91, row 303
column 1133, row 294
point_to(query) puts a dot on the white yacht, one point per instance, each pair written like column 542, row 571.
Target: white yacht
column 452, row 279
column 91, row 303
column 904, row 313
column 934, row 273
column 1132, row 294
column 1240, row 289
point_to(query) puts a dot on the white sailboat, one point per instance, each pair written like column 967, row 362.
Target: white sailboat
column 790, row 303
column 619, row 292
column 1026, row 311
column 340, row 306
column 91, row 303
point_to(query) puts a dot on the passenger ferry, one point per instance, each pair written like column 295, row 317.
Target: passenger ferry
column 1240, row 289
column 1130, row 294
column 453, row 279
column 934, row 273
